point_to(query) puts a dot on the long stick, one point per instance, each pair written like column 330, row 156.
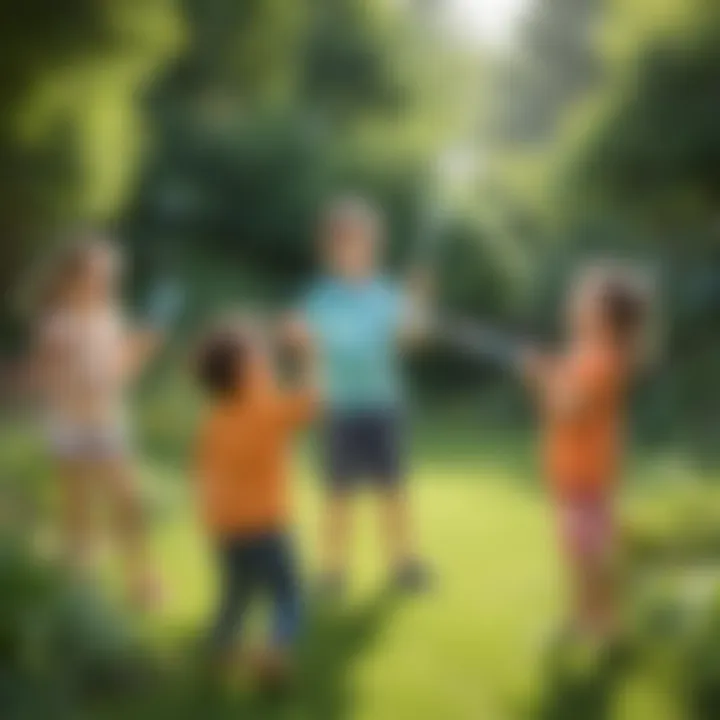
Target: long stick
column 479, row 340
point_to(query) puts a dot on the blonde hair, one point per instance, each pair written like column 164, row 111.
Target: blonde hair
column 353, row 210
column 63, row 267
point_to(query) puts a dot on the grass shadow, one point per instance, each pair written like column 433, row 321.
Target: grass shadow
column 335, row 639
column 571, row 692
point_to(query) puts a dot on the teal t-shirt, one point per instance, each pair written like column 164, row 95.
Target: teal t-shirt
column 356, row 328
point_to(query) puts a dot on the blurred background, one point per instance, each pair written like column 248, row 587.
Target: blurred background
column 514, row 138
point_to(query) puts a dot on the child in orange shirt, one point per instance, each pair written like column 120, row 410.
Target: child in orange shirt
column 243, row 483
column 581, row 394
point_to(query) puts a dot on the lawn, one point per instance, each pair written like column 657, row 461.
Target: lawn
column 470, row 648
column 475, row 647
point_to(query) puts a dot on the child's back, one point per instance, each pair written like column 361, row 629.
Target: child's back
column 243, row 478
column 243, row 451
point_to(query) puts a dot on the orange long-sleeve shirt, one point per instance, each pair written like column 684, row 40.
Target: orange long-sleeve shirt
column 242, row 456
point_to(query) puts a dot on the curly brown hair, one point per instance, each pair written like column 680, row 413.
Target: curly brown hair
column 220, row 360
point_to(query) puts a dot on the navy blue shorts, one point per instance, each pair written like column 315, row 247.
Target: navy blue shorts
column 364, row 446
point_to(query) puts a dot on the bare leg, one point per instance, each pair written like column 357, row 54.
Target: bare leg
column 602, row 610
column 396, row 527
column 409, row 573
column 131, row 528
column 593, row 613
column 77, row 484
column 336, row 531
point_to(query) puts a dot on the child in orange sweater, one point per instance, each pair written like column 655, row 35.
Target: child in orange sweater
column 243, row 479
column 581, row 393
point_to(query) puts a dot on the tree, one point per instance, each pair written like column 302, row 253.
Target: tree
column 554, row 64
column 68, row 75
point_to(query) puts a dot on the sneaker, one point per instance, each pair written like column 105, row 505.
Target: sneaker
column 272, row 670
column 413, row 577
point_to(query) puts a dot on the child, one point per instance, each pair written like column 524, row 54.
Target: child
column 85, row 359
column 581, row 394
column 357, row 319
column 243, row 484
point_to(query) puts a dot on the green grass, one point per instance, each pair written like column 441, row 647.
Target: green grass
column 470, row 648
column 476, row 647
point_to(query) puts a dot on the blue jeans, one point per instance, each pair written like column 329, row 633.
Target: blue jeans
column 250, row 566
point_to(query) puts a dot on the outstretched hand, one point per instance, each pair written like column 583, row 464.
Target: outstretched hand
column 534, row 365
column 421, row 284
column 294, row 332
column 165, row 304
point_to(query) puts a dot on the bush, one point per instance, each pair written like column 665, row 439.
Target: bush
column 61, row 643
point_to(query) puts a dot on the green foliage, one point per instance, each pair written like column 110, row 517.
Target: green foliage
column 210, row 132
column 678, row 524
column 69, row 129
column 239, row 168
column 554, row 66
column 61, row 643
column 657, row 153
column 609, row 148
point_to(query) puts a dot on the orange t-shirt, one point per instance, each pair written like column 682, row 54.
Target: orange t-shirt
column 582, row 448
column 242, row 453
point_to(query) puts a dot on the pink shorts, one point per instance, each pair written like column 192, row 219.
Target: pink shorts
column 587, row 527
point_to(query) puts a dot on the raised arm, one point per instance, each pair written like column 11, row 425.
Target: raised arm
column 300, row 404
column 571, row 390
column 487, row 343
column 139, row 349
column 294, row 331
column 164, row 306
column 415, row 306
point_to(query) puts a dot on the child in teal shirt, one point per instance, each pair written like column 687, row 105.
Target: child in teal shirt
column 357, row 320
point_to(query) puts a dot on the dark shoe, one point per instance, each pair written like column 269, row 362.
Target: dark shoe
column 273, row 671
column 413, row 577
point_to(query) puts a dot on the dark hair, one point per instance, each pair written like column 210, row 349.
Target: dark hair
column 625, row 306
column 219, row 364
